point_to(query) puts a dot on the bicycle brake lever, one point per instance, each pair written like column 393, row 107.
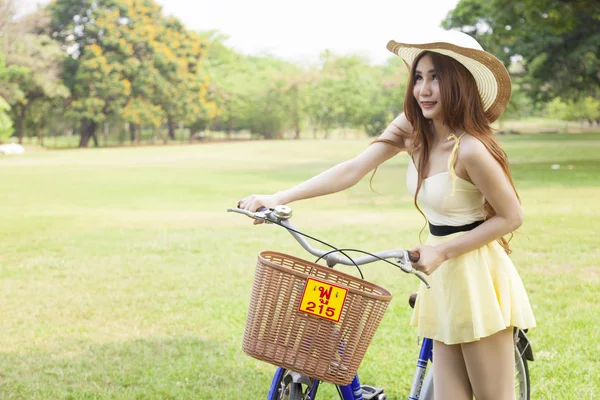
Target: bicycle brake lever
column 264, row 216
column 422, row 278
column 401, row 263
column 406, row 266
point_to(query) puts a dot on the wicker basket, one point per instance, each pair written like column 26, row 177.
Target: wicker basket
column 278, row 333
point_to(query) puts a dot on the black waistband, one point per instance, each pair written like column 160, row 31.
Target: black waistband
column 443, row 230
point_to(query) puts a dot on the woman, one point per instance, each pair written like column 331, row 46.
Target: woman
column 460, row 179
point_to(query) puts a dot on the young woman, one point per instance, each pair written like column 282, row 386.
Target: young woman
column 460, row 179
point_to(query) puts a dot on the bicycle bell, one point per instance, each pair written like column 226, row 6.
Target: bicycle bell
column 283, row 212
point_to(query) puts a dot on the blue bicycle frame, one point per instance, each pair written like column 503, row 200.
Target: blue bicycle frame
column 353, row 391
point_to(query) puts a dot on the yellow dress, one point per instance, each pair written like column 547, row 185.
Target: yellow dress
column 478, row 293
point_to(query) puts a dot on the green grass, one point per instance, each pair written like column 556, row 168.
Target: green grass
column 122, row 277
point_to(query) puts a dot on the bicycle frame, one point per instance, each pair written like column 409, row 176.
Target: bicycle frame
column 353, row 391
column 425, row 356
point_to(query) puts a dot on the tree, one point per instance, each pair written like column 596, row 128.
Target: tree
column 100, row 59
column 559, row 41
column 255, row 93
column 6, row 129
column 584, row 109
column 7, row 76
column 230, row 84
column 127, row 60
column 39, row 59
column 388, row 100
column 7, row 12
column 184, row 86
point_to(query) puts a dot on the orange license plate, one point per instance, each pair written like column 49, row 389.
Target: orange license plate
column 323, row 299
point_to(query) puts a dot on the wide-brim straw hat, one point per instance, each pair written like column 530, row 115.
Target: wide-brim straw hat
column 491, row 76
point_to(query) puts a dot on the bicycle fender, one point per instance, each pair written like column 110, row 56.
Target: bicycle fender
column 299, row 378
column 526, row 345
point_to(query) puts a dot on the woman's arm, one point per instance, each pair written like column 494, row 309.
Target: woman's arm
column 395, row 138
column 487, row 174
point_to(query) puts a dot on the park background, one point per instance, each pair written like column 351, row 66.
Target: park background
column 122, row 276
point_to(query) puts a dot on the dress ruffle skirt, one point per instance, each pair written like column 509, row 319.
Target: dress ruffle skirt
column 472, row 296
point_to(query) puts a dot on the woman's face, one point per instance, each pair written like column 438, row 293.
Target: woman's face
column 427, row 90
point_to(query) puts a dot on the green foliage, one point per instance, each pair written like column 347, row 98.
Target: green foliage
column 38, row 58
column 587, row 108
column 6, row 128
column 127, row 65
column 6, row 76
column 520, row 105
column 129, row 61
column 387, row 100
column 344, row 88
column 9, row 78
column 268, row 96
column 558, row 40
column 253, row 93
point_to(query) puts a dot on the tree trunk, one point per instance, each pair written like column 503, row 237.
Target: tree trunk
column 20, row 120
column 105, row 133
column 84, row 135
column 161, row 133
column 171, row 124
column 132, row 132
column 88, row 130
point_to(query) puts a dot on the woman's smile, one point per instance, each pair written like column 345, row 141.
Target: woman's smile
column 428, row 105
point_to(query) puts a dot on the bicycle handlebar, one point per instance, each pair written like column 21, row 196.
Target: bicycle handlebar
column 281, row 215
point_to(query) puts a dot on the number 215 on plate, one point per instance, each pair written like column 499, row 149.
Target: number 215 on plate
column 323, row 299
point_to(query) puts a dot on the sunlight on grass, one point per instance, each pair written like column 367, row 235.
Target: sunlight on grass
column 121, row 275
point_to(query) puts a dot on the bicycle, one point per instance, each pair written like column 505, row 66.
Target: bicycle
column 290, row 385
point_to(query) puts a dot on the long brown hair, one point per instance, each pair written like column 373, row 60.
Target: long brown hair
column 461, row 107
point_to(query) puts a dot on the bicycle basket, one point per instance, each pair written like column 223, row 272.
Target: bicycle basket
column 292, row 316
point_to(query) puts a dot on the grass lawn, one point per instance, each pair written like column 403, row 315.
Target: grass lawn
column 122, row 277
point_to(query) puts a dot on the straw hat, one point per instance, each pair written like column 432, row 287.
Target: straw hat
column 491, row 76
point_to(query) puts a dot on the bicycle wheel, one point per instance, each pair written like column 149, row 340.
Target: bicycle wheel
column 522, row 383
column 296, row 391
column 287, row 389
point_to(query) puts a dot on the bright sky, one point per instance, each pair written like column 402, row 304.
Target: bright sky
column 300, row 30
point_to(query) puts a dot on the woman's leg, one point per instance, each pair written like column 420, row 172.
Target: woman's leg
column 490, row 363
column 450, row 379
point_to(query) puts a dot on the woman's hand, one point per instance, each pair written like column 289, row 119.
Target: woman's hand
column 430, row 258
column 256, row 201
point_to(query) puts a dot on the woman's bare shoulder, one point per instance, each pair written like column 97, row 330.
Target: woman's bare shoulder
column 399, row 133
column 403, row 124
column 471, row 148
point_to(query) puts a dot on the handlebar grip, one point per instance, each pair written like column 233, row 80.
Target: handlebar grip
column 413, row 256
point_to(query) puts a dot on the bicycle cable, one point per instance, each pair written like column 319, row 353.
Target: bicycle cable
column 339, row 392
column 335, row 249
column 363, row 252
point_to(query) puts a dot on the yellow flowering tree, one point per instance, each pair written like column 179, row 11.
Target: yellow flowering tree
column 129, row 61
